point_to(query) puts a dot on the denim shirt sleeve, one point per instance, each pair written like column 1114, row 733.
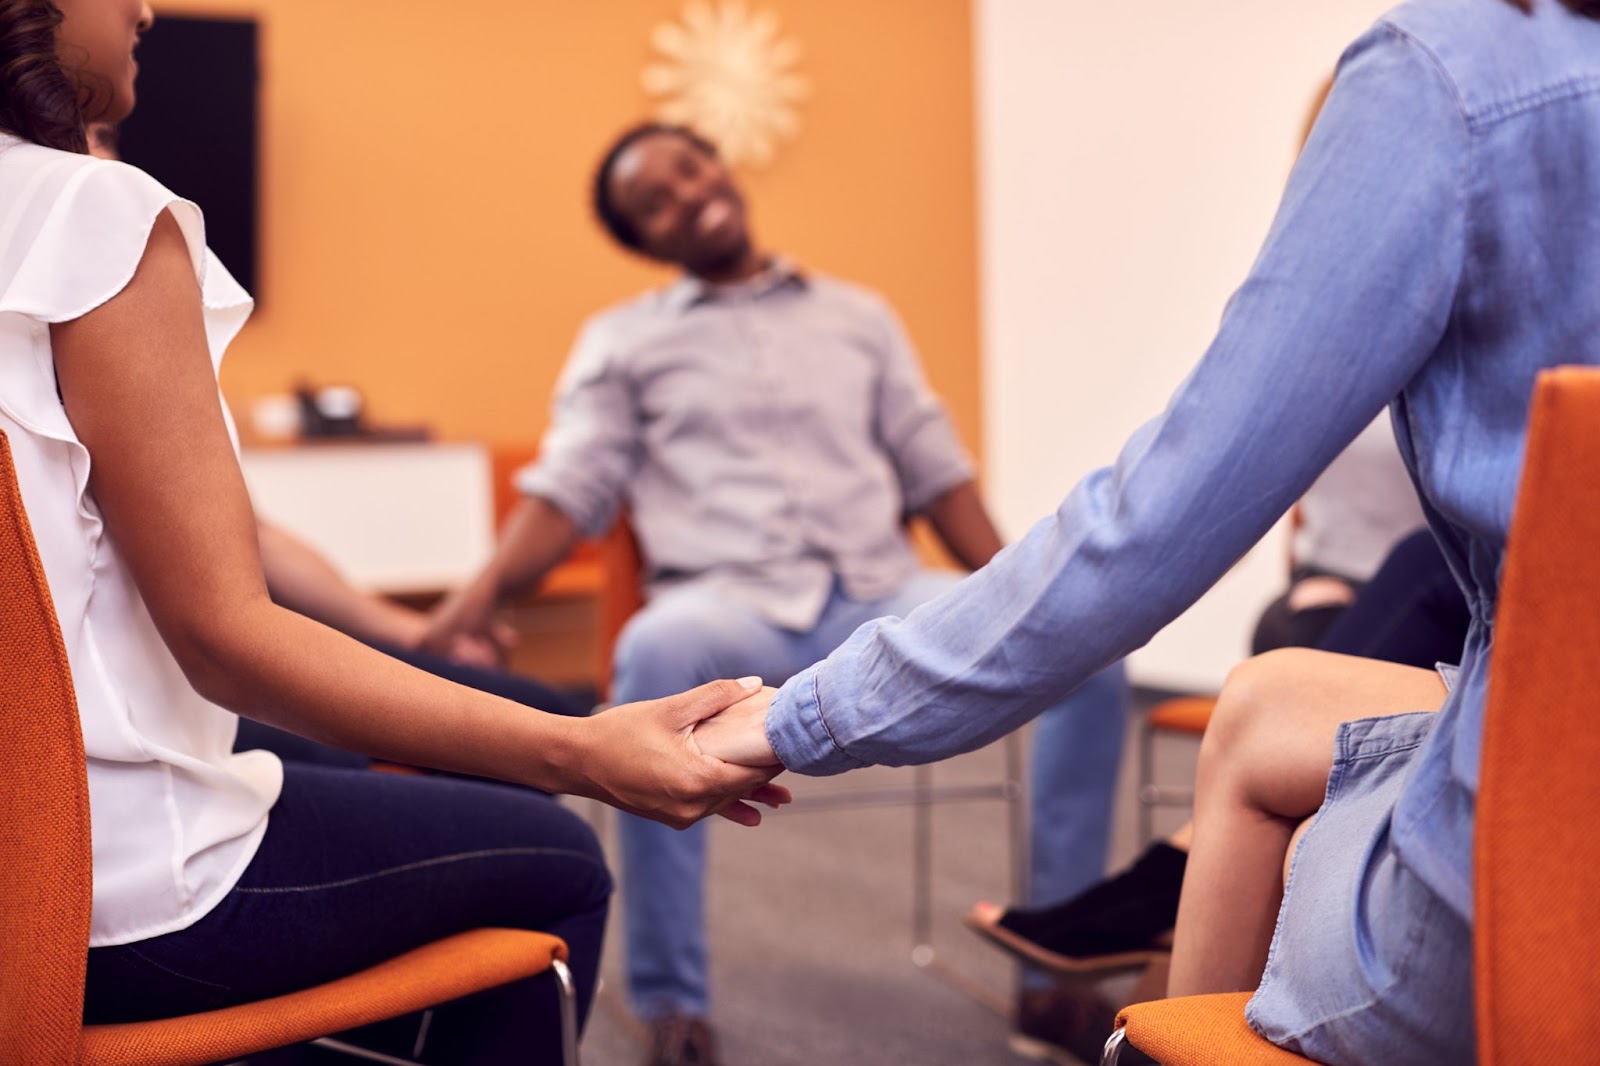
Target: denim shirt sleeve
column 912, row 424
column 1348, row 298
column 591, row 449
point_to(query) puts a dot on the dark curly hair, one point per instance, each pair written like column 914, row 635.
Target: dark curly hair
column 615, row 222
column 38, row 102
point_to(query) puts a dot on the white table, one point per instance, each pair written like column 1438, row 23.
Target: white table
column 394, row 518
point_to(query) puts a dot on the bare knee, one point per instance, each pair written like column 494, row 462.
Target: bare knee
column 1252, row 698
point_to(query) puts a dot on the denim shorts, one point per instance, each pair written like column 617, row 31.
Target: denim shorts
column 1367, row 964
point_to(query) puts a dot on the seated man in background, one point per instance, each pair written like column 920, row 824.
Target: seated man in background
column 770, row 432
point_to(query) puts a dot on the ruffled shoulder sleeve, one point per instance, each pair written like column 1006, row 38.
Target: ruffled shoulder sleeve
column 75, row 228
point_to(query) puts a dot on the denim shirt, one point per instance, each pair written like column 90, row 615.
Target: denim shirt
column 1437, row 246
column 768, row 437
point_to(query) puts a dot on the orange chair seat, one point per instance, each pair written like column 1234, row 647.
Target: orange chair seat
column 436, row 973
column 1201, row 1031
column 1186, row 714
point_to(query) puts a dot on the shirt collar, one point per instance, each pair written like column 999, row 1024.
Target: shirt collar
column 688, row 291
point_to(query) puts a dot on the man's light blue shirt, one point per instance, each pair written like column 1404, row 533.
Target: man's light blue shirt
column 1438, row 245
column 768, row 438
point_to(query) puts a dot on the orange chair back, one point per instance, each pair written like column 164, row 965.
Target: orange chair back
column 504, row 462
column 620, row 566
column 621, row 592
column 46, row 868
column 1537, row 868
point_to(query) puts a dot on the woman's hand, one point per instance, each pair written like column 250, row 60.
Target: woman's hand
column 739, row 734
column 644, row 758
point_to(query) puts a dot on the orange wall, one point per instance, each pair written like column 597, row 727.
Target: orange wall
column 425, row 233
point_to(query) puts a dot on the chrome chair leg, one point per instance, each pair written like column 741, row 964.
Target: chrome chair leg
column 1147, row 773
column 569, row 1027
column 1113, row 1050
column 365, row 1054
column 569, row 1012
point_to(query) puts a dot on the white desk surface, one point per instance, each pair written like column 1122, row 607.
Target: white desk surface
column 394, row 518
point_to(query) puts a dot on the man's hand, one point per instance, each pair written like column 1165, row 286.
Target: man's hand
column 645, row 759
column 739, row 734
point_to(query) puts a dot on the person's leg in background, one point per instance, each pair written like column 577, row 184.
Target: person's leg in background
column 683, row 638
column 1411, row 612
column 358, row 867
column 1300, row 617
column 1077, row 752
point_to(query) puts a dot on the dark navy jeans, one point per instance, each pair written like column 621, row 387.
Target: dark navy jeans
column 357, row 867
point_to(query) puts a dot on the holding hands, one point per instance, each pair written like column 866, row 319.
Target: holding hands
column 739, row 734
column 647, row 758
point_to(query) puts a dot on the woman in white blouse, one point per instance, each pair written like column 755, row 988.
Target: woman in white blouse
column 223, row 877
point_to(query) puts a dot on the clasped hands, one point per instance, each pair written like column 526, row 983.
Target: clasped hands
column 681, row 758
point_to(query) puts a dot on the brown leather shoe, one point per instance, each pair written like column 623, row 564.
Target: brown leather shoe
column 1067, row 1023
column 678, row 1040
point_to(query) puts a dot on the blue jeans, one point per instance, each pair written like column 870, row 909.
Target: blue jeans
column 691, row 635
column 357, row 867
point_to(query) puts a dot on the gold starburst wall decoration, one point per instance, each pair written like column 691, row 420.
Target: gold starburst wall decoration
column 725, row 72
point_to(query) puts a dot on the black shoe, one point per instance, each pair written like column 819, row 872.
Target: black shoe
column 1121, row 923
column 1067, row 1023
column 679, row 1040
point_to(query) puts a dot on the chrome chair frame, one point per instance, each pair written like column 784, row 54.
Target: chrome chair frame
column 569, row 1029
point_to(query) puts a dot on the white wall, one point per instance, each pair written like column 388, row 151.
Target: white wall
column 1130, row 157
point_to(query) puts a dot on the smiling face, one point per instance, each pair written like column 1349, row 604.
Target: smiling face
column 683, row 205
column 95, row 44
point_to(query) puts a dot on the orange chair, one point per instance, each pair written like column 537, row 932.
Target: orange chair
column 607, row 568
column 1536, row 862
column 46, row 872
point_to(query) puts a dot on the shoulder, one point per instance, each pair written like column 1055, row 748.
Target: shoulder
column 39, row 181
column 629, row 325
column 76, row 229
column 1496, row 59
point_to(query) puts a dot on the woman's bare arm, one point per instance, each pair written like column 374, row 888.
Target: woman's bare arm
column 136, row 379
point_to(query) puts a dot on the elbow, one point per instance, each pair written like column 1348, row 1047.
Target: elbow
column 208, row 672
column 218, row 653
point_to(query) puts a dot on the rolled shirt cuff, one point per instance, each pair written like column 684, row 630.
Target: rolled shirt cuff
column 799, row 735
column 937, row 469
column 591, row 509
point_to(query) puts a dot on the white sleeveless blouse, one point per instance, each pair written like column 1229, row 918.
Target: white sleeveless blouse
column 176, row 815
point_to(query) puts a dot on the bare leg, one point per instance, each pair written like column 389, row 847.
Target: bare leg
column 1264, row 768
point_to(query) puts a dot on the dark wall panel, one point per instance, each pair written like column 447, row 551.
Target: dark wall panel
column 195, row 127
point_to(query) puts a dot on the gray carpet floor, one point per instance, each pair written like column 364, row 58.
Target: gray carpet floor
column 811, row 926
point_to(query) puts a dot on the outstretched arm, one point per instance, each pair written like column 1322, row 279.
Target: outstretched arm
column 136, row 378
column 586, row 461
column 1343, row 307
